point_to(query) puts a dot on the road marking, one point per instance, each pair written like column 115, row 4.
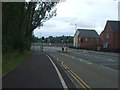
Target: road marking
column 62, row 62
column 85, row 61
column 108, row 68
column 57, row 58
column 89, row 63
column 77, row 78
column 72, row 57
column 81, row 60
column 112, row 60
column 60, row 76
column 110, row 64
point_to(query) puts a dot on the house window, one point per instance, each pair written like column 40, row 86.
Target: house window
column 106, row 45
column 107, row 36
column 86, row 39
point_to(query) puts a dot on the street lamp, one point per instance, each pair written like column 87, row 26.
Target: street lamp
column 75, row 26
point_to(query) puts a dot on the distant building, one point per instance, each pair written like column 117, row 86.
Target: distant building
column 111, row 35
column 86, row 38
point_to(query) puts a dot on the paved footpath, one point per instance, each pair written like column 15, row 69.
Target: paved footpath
column 36, row 72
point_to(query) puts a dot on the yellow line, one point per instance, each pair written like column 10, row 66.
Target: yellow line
column 80, row 80
column 76, row 77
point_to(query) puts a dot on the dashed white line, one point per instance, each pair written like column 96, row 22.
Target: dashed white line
column 109, row 68
column 62, row 62
column 72, row 57
column 89, row 63
column 111, row 60
column 81, row 60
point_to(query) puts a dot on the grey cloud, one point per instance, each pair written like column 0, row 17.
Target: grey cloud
column 90, row 14
column 86, row 23
column 54, row 34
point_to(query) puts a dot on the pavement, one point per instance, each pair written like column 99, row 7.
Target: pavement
column 37, row 72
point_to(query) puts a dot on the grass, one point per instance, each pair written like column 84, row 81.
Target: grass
column 11, row 60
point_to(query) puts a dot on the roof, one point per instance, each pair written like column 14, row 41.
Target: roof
column 114, row 25
column 88, row 33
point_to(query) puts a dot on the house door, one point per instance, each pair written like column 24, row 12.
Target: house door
column 106, row 45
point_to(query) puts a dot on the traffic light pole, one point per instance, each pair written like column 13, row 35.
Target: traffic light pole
column 42, row 47
column 42, row 43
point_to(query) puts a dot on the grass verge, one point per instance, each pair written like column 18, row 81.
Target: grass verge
column 11, row 60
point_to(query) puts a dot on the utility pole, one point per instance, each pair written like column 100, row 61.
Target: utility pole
column 75, row 26
column 42, row 43
column 62, row 44
column 74, row 43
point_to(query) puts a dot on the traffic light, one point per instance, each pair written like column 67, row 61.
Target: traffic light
column 43, row 39
column 67, row 38
column 61, row 39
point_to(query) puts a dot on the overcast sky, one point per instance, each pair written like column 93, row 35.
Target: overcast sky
column 87, row 14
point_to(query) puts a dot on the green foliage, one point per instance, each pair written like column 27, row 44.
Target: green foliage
column 66, row 39
column 13, row 59
column 35, row 39
column 19, row 19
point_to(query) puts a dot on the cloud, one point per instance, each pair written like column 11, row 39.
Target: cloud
column 90, row 14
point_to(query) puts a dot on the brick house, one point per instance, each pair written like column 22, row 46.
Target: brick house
column 111, row 35
column 86, row 38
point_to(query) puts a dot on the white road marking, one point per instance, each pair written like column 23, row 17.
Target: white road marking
column 81, row 60
column 57, row 58
column 111, row 60
column 109, row 68
column 89, row 63
column 109, row 64
column 62, row 63
column 72, row 57
column 60, row 76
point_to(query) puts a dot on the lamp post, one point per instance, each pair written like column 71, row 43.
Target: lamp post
column 75, row 32
column 75, row 26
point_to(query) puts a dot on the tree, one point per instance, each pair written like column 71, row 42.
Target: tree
column 66, row 39
column 20, row 19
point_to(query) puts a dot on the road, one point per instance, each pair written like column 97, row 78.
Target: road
column 97, row 70
column 38, row 71
column 99, row 59
column 55, row 69
column 109, row 61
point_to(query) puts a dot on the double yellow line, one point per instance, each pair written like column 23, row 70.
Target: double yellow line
column 77, row 78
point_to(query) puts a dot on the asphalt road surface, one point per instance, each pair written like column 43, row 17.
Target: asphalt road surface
column 102, row 59
column 96, row 70
column 38, row 71
column 55, row 69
